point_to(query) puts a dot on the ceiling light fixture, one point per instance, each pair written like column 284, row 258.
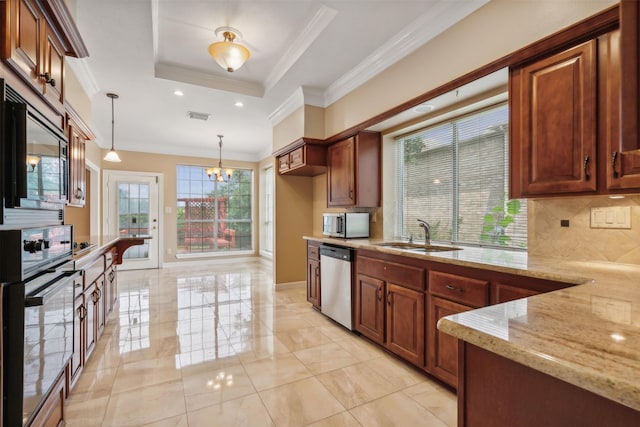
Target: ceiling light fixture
column 217, row 173
column 227, row 54
column 239, row 104
column 112, row 156
column 33, row 162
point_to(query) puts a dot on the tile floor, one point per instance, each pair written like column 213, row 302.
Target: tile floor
column 217, row 346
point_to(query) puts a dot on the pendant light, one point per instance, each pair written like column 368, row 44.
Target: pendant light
column 228, row 54
column 112, row 155
column 219, row 174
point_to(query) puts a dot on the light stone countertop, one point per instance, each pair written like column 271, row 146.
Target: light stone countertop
column 587, row 335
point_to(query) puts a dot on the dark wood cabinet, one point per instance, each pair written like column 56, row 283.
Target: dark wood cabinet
column 111, row 279
column 313, row 274
column 304, row 157
column 553, row 123
column 51, row 413
column 405, row 323
column 390, row 306
column 90, row 320
column 369, row 307
column 76, row 159
column 52, row 80
column 353, row 171
column 77, row 357
column 442, row 357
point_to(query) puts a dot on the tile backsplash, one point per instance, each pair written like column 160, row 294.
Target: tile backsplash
column 579, row 241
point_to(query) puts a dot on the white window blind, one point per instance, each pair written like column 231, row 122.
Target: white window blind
column 454, row 175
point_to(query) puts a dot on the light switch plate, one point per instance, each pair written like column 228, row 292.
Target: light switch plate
column 611, row 217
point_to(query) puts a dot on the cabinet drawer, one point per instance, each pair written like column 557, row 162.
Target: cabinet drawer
column 93, row 271
column 458, row 288
column 313, row 252
column 296, row 158
column 398, row 274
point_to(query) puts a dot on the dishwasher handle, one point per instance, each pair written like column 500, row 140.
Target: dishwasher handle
column 337, row 252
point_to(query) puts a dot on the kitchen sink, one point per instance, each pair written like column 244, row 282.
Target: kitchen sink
column 417, row 247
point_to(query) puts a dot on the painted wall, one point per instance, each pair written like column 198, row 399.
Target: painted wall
column 496, row 29
column 166, row 165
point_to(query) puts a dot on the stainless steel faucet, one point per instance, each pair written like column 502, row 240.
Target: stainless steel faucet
column 427, row 231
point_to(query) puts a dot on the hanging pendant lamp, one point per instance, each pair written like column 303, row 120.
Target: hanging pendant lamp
column 112, row 155
column 219, row 174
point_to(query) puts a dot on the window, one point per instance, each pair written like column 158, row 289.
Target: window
column 454, row 175
column 213, row 216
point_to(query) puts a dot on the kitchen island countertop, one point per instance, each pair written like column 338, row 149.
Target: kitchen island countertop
column 587, row 335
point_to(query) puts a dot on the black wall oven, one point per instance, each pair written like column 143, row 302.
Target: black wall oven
column 38, row 278
column 35, row 169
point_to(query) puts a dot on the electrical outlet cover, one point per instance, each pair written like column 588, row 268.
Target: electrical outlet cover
column 611, row 217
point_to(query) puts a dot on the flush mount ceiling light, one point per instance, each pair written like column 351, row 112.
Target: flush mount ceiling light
column 112, row 156
column 227, row 54
column 219, row 174
column 424, row 108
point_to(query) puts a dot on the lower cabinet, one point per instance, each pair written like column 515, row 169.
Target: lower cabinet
column 389, row 306
column 51, row 413
column 313, row 274
column 90, row 320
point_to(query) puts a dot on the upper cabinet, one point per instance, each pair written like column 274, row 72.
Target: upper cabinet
column 37, row 36
column 553, row 117
column 305, row 157
column 79, row 134
column 623, row 167
column 574, row 114
column 353, row 171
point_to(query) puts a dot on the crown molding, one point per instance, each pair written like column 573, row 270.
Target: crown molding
column 312, row 29
column 200, row 78
column 85, row 76
column 284, row 110
column 440, row 17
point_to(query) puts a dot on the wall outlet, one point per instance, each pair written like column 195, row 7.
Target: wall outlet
column 611, row 217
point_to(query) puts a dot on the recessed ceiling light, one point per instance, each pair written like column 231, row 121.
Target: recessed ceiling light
column 424, row 108
column 178, row 93
column 239, row 104
column 616, row 197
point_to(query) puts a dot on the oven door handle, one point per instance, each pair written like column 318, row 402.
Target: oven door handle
column 40, row 298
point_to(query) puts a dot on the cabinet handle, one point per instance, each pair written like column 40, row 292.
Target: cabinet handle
column 351, row 194
column 317, row 272
column 614, row 157
column 47, row 79
column 584, row 167
column 79, row 194
column 453, row 288
column 82, row 312
column 379, row 293
column 94, row 297
column 388, row 298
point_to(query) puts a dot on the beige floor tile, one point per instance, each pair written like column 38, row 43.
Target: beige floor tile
column 258, row 348
column 276, row 371
column 95, row 384
column 357, row 384
column 343, row 419
column 106, row 355
column 145, row 405
column 396, row 372
column 244, row 411
column 153, row 349
column 395, row 410
column 83, row 413
column 442, row 403
column 326, row 357
column 300, row 403
column 179, row 421
column 216, row 386
column 146, row 372
column 299, row 339
column 360, row 348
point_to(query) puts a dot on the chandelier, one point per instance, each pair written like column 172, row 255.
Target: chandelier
column 227, row 54
column 219, row 174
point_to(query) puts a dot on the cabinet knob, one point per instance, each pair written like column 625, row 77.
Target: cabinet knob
column 47, row 79
column 79, row 194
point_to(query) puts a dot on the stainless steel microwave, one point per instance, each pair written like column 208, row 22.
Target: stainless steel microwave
column 346, row 225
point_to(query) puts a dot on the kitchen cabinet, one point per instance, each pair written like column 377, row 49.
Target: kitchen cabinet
column 51, row 413
column 553, row 123
column 389, row 306
column 623, row 151
column 76, row 362
column 313, row 274
column 304, row 157
column 89, row 321
column 449, row 294
column 111, row 279
column 353, row 171
column 79, row 134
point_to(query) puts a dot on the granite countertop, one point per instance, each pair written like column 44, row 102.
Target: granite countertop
column 587, row 335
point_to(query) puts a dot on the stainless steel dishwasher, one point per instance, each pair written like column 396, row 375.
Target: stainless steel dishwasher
column 335, row 291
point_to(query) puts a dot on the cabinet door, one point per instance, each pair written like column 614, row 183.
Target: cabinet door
column 553, row 123
column 442, row 353
column 77, row 177
column 296, row 158
column 369, row 307
column 90, row 321
column 22, row 47
column 313, row 282
column 340, row 174
column 405, row 323
column 283, row 163
column 506, row 292
column 100, row 306
column 78, row 336
column 53, row 65
column 111, row 288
